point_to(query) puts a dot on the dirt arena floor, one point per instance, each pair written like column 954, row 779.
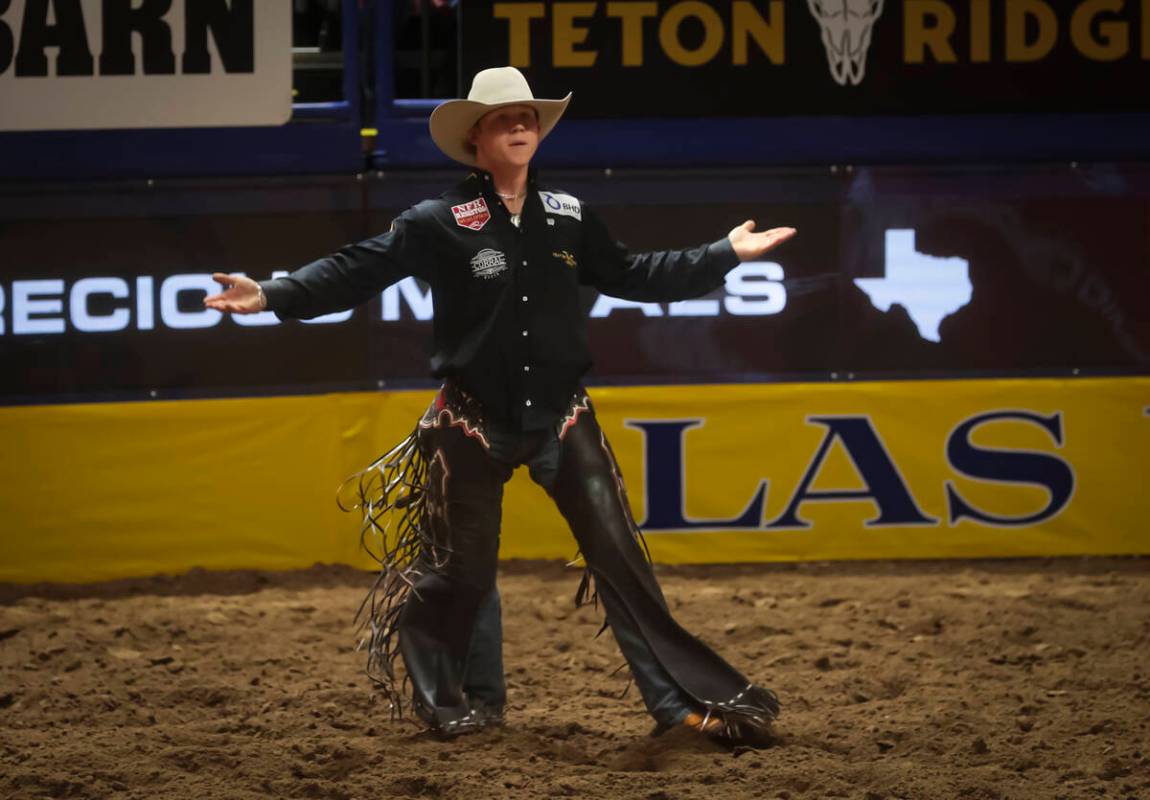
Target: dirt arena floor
column 986, row 679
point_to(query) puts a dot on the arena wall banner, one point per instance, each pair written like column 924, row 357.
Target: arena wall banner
column 753, row 472
column 97, row 64
column 677, row 58
column 905, row 279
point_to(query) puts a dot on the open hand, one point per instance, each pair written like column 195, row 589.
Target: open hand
column 749, row 246
column 241, row 295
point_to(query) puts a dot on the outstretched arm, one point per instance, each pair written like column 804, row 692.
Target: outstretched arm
column 348, row 277
column 668, row 275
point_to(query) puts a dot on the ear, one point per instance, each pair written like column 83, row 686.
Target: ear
column 473, row 134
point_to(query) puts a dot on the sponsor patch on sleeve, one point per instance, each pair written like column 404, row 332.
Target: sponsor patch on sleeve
column 473, row 215
column 562, row 204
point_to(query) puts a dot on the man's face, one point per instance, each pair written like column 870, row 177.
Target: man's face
column 507, row 136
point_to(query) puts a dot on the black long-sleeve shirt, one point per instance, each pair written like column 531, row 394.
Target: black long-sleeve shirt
column 509, row 325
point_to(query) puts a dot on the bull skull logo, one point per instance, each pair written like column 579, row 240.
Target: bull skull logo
column 847, row 26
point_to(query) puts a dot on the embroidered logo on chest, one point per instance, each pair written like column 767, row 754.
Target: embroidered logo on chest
column 488, row 263
column 473, row 215
column 562, row 204
column 567, row 258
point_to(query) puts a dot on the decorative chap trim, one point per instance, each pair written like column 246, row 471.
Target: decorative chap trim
column 579, row 405
column 454, row 408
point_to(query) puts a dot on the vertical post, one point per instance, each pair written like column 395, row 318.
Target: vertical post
column 384, row 44
column 349, row 35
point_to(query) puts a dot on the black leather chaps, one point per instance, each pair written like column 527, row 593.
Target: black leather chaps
column 461, row 517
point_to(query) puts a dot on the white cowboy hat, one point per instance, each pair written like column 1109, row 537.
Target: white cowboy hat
column 491, row 89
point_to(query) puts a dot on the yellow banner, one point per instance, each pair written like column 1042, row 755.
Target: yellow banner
column 914, row 469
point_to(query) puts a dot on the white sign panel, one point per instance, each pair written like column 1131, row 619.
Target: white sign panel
column 73, row 64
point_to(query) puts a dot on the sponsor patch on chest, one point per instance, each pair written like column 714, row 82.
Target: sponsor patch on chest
column 562, row 204
column 473, row 215
column 488, row 263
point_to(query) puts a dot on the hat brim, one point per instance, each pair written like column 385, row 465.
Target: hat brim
column 451, row 121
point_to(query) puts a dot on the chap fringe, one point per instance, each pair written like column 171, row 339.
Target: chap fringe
column 397, row 533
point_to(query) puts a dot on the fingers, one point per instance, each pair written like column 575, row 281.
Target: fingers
column 219, row 303
column 239, row 293
column 750, row 245
column 757, row 244
column 217, row 300
column 773, row 238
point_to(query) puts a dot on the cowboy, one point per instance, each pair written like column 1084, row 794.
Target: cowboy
column 505, row 257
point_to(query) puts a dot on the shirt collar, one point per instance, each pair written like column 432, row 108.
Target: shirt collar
column 481, row 180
